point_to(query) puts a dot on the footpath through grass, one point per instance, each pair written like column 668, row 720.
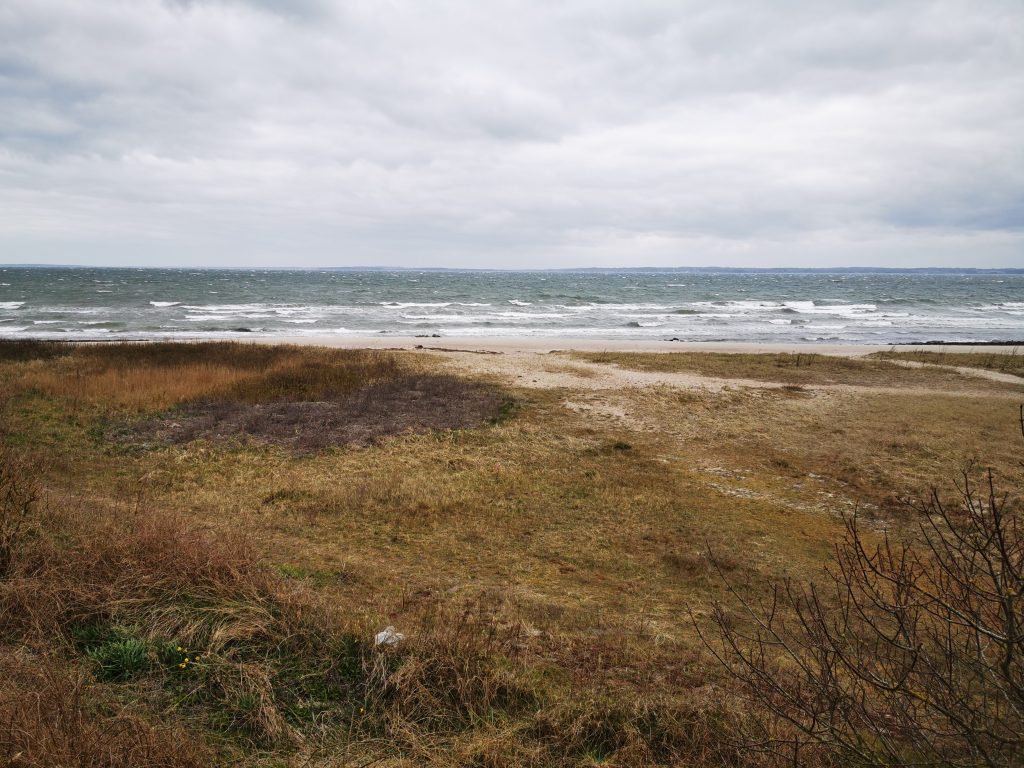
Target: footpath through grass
column 878, row 370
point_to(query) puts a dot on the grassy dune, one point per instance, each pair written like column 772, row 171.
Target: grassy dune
column 1007, row 363
column 170, row 601
column 880, row 369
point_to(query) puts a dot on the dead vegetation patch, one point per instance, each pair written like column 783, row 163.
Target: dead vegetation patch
column 301, row 398
column 406, row 404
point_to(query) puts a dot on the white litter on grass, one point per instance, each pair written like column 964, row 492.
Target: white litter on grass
column 388, row 636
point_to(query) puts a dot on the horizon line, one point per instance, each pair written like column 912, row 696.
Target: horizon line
column 387, row 268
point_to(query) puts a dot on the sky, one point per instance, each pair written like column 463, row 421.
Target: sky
column 512, row 133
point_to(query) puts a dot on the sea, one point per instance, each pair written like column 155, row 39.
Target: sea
column 78, row 303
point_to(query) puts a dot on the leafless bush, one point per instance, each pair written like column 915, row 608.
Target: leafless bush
column 907, row 654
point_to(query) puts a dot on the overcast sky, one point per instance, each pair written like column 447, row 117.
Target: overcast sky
column 527, row 133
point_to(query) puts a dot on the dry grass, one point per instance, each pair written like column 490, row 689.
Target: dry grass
column 147, row 377
column 796, row 369
column 193, row 632
column 1012, row 362
column 127, row 588
column 53, row 715
column 305, row 398
column 541, row 567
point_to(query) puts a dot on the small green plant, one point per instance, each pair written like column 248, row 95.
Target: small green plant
column 120, row 659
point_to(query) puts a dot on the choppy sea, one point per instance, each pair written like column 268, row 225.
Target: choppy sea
column 87, row 303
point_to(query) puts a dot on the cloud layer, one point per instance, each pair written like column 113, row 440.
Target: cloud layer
column 512, row 134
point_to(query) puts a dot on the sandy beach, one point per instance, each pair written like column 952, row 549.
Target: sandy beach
column 561, row 363
column 525, row 344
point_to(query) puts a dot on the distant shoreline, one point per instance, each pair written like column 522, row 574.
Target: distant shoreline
column 852, row 270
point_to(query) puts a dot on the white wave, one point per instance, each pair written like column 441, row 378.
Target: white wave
column 643, row 316
column 629, row 307
column 845, row 310
column 742, row 306
column 80, row 331
column 165, row 303
column 408, row 304
column 528, row 315
column 586, row 331
column 11, row 304
column 519, row 303
column 486, row 318
column 440, row 318
column 92, row 311
column 228, row 308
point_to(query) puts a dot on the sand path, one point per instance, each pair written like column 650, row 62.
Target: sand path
column 541, row 370
column 544, row 371
column 977, row 373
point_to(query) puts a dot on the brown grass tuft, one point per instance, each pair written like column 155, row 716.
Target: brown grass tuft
column 52, row 715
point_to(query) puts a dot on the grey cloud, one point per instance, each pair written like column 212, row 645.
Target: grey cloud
column 511, row 133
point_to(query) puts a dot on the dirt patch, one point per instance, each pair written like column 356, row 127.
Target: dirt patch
column 406, row 404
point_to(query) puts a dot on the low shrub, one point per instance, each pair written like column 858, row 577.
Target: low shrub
column 907, row 654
